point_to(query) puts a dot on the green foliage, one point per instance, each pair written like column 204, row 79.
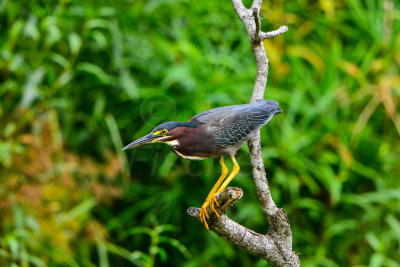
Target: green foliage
column 81, row 78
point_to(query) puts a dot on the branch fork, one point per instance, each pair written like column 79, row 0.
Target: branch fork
column 276, row 246
column 251, row 19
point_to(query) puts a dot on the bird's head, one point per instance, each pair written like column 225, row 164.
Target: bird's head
column 168, row 132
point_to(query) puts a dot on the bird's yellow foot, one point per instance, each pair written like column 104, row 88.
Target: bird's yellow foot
column 212, row 201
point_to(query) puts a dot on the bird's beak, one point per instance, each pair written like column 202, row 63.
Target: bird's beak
column 278, row 111
column 150, row 138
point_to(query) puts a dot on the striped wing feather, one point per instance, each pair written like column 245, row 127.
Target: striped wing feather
column 232, row 124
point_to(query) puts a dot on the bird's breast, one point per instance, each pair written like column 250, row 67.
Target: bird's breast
column 195, row 144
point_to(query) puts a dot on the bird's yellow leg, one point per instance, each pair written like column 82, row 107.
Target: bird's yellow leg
column 235, row 171
column 211, row 200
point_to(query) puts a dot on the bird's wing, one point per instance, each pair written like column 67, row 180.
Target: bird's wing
column 232, row 124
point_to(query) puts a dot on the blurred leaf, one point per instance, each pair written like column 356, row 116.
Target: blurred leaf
column 96, row 71
column 75, row 43
column 176, row 244
column 80, row 209
column 31, row 91
column 135, row 231
column 134, row 257
column 31, row 29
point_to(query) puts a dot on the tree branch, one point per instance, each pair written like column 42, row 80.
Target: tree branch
column 257, row 244
column 241, row 11
column 256, row 5
column 276, row 246
column 271, row 34
column 258, row 25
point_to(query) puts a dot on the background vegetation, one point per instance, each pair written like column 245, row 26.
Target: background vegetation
column 79, row 79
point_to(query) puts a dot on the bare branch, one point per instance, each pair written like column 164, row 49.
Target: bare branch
column 241, row 11
column 269, row 35
column 258, row 25
column 260, row 178
column 226, row 199
column 256, row 5
column 260, row 245
column 276, row 246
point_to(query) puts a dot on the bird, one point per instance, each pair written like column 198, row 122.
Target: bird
column 216, row 133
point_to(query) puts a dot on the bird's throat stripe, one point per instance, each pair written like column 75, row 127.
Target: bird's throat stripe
column 155, row 140
column 188, row 157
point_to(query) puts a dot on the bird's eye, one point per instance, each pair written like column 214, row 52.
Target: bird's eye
column 165, row 131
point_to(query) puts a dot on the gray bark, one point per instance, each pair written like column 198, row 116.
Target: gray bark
column 276, row 246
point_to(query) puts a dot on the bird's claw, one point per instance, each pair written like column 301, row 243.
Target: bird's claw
column 212, row 201
column 212, row 205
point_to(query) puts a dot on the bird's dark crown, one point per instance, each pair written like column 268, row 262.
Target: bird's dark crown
column 169, row 125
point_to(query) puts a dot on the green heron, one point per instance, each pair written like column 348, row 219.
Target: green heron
column 214, row 133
